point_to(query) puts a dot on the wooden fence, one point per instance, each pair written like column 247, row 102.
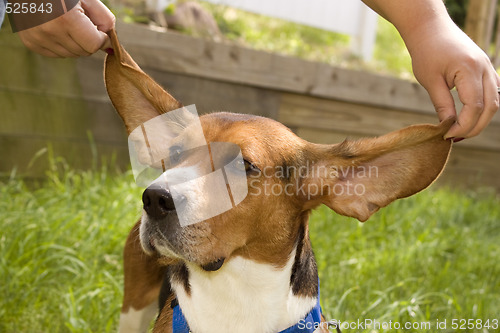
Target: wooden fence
column 64, row 103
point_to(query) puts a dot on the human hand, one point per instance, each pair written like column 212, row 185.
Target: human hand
column 79, row 32
column 444, row 57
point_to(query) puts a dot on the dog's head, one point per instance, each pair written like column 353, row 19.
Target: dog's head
column 286, row 176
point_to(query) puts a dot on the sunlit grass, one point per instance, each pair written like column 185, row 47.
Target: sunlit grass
column 279, row 36
column 268, row 34
column 60, row 251
column 430, row 257
column 260, row 32
column 433, row 256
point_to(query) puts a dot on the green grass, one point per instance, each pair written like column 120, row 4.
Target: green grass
column 433, row 256
column 60, row 251
column 430, row 257
column 259, row 32
column 279, row 36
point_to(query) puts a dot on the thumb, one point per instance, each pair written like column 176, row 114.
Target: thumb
column 99, row 14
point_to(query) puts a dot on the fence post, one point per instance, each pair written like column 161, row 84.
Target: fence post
column 480, row 21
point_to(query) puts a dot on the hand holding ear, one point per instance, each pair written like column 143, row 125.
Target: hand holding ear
column 445, row 58
column 79, row 32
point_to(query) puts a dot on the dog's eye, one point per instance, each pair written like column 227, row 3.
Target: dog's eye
column 175, row 154
column 249, row 166
column 242, row 164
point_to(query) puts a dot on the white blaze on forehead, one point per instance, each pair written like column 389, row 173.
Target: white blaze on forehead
column 199, row 192
column 151, row 144
column 170, row 151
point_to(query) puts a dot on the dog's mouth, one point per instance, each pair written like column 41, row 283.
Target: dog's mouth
column 166, row 251
column 176, row 243
column 214, row 265
column 208, row 267
column 160, row 247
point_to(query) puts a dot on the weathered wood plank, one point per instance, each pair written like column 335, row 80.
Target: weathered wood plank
column 325, row 136
column 210, row 95
column 24, row 70
column 59, row 101
column 26, row 114
column 304, row 111
column 472, row 168
column 467, row 167
column 173, row 52
column 33, row 115
column 77, row 153
column 91, row 77
column 311, row 112
column 180, row 53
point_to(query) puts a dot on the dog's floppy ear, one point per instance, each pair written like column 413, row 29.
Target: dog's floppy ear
column 135, row 95
column 359, row 177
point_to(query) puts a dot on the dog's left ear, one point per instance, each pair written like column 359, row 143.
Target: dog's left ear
column 136, row 96
column 359, row 177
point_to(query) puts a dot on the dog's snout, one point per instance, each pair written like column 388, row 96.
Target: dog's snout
column 157, row 202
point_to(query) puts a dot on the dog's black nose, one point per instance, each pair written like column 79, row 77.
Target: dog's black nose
column 157, row 202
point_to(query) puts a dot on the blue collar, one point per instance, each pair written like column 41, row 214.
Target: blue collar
column 306, row 325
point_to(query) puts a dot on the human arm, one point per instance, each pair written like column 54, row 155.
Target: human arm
column 2, row 12
column 444, row 57
column 79, row 32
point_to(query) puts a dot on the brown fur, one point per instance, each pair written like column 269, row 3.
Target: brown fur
column 143, row 274
column 406, row 161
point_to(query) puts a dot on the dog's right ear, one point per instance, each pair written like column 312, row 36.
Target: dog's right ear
column 135, row 95
column 357, row 178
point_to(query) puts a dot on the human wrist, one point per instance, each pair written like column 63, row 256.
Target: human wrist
column 416, row 21
column 417, row 33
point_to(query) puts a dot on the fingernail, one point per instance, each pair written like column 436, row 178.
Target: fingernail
column 457, row 139
column 110, row 51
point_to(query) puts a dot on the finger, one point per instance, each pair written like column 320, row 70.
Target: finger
column 107, row 44
column 470, row 93
column 64, row 45
column 53, row 36
column 46, row 44
column 84, row 33
column 491, row 103
column 73, row 47
column 61, row 50
column 99, row 14
column 441, row 98
column 44, row 51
